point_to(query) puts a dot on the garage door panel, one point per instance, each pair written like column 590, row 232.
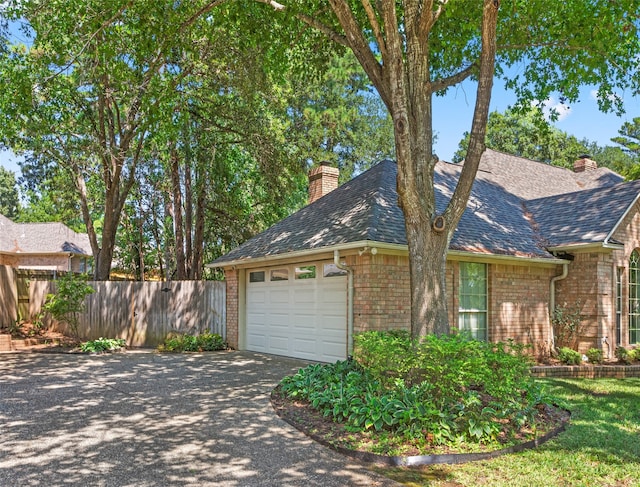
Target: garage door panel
column 304, row 318
column 278, row 344
column 278, row 296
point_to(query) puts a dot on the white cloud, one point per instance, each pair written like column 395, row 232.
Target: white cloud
column 552, row 107
column 612, row 97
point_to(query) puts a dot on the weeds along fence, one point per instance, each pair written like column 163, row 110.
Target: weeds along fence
column 142, row 313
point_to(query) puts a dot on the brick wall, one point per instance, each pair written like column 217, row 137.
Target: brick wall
column 382, row 297
column 590, row 283
column 231, row 278
column 519, row 304
column 628, row 233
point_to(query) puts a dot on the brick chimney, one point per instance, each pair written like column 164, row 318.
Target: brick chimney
column 322, row 180
column 584, row 164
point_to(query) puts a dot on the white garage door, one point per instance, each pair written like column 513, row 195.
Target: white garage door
column 298, row 311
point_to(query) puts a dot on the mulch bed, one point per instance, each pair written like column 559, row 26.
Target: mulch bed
column 323, row 429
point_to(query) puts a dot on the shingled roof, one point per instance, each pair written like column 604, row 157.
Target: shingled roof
column 507, row 213
column 41, row 238
column 582, row 217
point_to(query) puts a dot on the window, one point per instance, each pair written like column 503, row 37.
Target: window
column 634, row 298
column 332, row 270
column 472, row 313
column 619, row 274
column 280, row 275
column 306, row 272
column 257, row 276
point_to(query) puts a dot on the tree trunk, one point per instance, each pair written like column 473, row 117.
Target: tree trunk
column 177, row 216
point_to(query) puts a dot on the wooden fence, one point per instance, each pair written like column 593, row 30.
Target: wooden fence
column 142, row 313
column 8, row 296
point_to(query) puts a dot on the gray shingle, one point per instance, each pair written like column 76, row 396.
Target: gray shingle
column 515, row 209
column 41, row 238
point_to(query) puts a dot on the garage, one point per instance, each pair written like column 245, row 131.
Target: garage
column 298, row 311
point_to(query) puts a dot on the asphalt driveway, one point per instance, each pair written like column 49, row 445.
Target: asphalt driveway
column 147, row 419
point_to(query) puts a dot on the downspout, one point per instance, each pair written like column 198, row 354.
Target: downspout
column 552, row 300
column 349, row 270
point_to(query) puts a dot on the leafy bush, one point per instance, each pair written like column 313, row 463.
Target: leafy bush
column 569, row 356
column 102, row 345
column 68, row 301
column 205, row 342
column 634, row 355
column 622, row 354
column 595, row 355
column 447, row 389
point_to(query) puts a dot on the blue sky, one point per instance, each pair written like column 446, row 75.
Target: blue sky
column 453, row 113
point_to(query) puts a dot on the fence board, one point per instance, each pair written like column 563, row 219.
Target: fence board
column 142, row 313
column 8, row 296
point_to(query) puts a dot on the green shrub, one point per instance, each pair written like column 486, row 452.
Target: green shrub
column 595, row 355
column 68, row 301
column 447, row 389
column 569, row 356
column 102, row 345
column 205, row 342
column 622, row 354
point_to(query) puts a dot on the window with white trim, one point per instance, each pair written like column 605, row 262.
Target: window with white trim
column 634, row 298
column 619, row 274
column 472, row 311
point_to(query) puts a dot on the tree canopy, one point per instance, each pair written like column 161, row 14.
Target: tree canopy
column 9, row 196
column 414, row 49
column 528, row 134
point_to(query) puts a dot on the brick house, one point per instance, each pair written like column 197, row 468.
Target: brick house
column 43, row 246
column 533, row 236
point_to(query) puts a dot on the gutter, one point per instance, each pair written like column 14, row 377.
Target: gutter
column 339, row 265
column 552, row 300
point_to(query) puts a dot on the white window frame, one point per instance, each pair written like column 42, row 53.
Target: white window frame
column 469, row 314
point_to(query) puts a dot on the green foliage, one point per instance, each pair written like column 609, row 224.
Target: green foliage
column 622, row 354
column 569, row 357
column 68, row 301
column 9, row 198
column 595, row 355
column 102, row 345
column 444, row 389
column 205, row 342
column 567, row 325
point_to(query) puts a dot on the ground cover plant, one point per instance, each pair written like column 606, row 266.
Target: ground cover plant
column 204, row 342
column 599, row 447
column 102, row 345
column 400, row 396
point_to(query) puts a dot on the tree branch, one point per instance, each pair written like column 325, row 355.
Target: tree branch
column 460, row 76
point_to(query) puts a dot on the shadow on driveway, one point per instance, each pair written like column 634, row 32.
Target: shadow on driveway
column 147, row 419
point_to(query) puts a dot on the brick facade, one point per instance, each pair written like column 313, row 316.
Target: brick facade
column 231, row 278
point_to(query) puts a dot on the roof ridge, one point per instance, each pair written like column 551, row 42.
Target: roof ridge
column 375, row 213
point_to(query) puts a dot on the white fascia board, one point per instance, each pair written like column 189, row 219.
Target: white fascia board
column 619, row 222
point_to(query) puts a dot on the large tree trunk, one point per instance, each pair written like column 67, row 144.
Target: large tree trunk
column 403, row 80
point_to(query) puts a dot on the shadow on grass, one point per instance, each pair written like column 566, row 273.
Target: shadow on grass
column 604, row 421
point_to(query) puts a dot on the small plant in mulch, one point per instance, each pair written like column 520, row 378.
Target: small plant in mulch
column 568, row 356
column 102, row 345
column 204, row 342
column 401, row 396
column 595, row 356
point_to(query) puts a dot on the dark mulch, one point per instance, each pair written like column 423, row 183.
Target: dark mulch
column 312, row 423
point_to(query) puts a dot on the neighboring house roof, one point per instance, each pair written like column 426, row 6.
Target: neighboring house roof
column 511, row 211
column 41, row 238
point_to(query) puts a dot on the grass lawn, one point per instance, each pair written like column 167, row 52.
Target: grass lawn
column 600, row 447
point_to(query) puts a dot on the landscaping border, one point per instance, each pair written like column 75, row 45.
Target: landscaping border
column 586, row 371
column 416, row 460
